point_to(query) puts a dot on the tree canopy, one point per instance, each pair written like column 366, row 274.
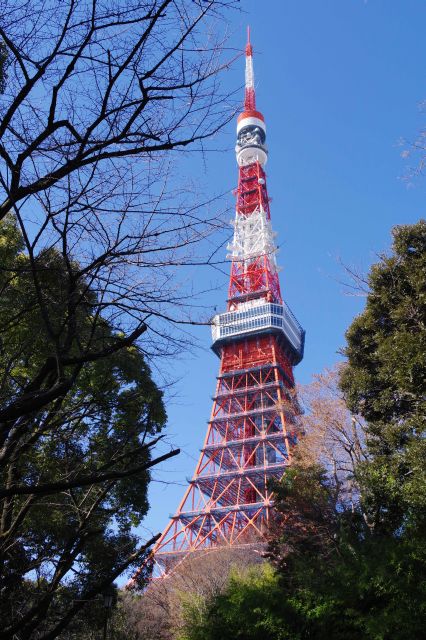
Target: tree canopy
column 385, row 381
column 74, row 469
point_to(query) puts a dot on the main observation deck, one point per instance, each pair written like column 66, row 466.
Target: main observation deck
column 268, row 317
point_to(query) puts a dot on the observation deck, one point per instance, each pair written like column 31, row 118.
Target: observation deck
column 269, row 317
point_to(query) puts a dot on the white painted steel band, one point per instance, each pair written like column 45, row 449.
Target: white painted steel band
column 250, row 121
column 249, row 73
column 248, row 155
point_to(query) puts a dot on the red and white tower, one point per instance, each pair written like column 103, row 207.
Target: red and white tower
column 253, row 424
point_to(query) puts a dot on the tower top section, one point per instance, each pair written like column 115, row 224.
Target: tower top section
column 250, row 91
column 251, row 128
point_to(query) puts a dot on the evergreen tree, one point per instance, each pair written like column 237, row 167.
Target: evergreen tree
column 385, row 381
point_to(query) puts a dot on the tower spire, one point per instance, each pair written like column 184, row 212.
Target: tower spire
column 250, row 95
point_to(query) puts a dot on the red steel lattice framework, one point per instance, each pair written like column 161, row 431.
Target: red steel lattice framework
column 253, row 424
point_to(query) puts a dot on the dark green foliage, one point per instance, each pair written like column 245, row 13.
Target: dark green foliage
column 349, row 580
column 74, row 470
column 307, row 512
column 386, row 376
column 385, row 381
column 252, row 606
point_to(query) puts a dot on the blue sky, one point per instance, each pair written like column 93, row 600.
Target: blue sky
column 339, row 83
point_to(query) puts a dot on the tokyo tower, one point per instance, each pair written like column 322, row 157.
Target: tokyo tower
column 253, row 424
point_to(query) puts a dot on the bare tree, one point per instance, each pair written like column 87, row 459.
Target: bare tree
column 99, row 97
column 91, row 82
column 92, row 87
column 160, row 611
column 333, row 437
column 319, row 491
column 414, row 151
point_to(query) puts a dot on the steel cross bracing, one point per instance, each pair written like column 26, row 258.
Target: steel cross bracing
column 253, row 251
column 251, row 432
column 253, row 425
